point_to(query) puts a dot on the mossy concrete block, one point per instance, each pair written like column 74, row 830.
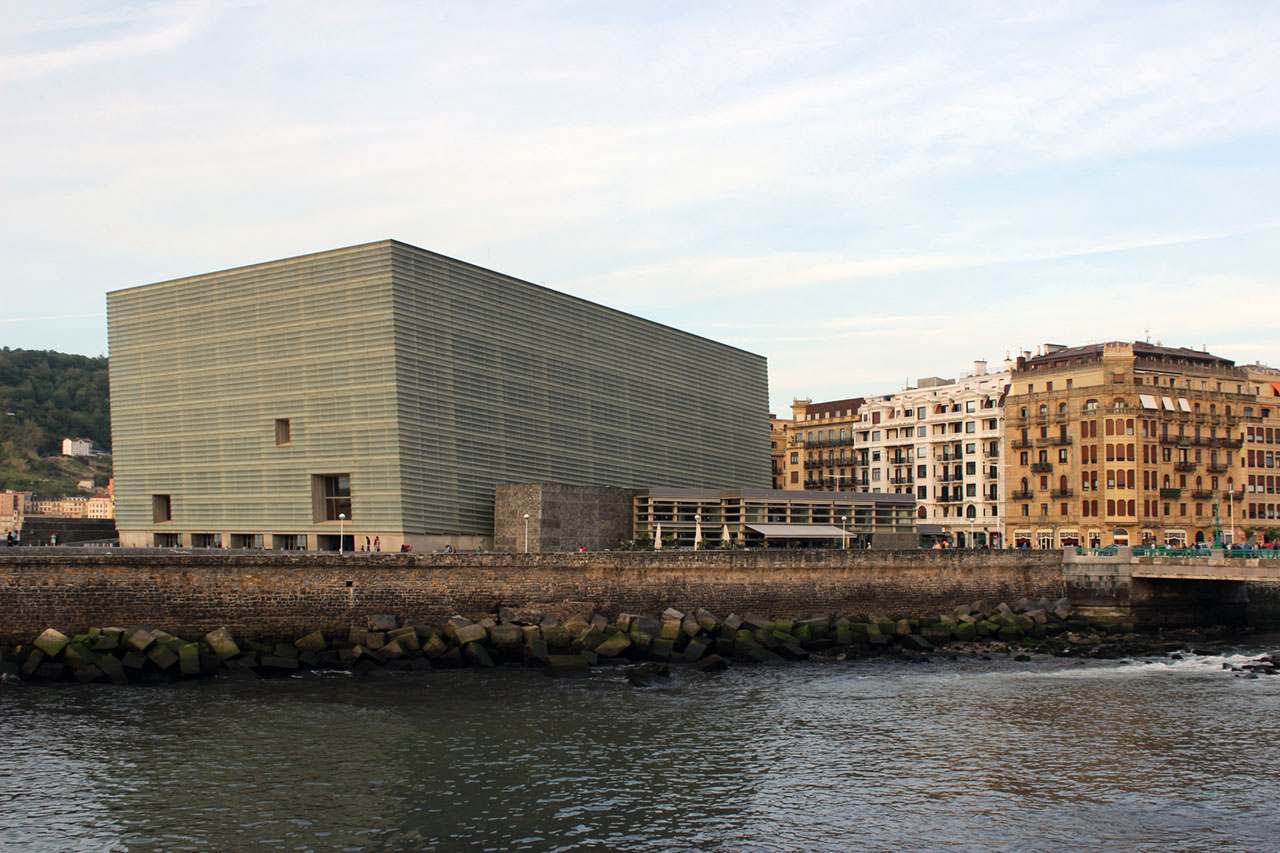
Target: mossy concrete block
column 35, row 658
column 706, row 620
column 106, row 642
column 844, row 637
column 49, row 671
column 356, row 635
column 614, row 646
column 112, row 669
column 784, row 637
column 986, row 628
column 435, row 646
column 139, row 639
column 763, row 655
column 284, row 650
column 878, row 640
column 792, row 651
column 451, row 659
column 669, row 631
column 641, row 641
column 753, row 621
column 86, row 674
column 902, row 627
column 661, row 649
column 557, row 636
column 1009, row 635
column 76, row 655
column 568, row 666
column 391, row 651
column 51, row 641
column 536, row 652
column 162, row 656
column 695, row 650
column 133, row 660
column 313, row 642
column 711, row 663
column 506, row 636
column 744, row 648
column 471, row 634
column 222, row 644
column 189, row 659
column 278, row 663
column 938, row 635
column 916, row 642
column 689, row 626
column 375, row 640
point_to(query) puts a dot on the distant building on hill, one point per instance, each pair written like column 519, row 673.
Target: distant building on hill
column 384, row 391
column 77, row 447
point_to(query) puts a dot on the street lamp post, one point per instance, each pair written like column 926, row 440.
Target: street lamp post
column 526, row 533
column 844, row 532
column 342, row 521
column 697, row 531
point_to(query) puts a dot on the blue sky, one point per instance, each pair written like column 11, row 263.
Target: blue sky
column 863, row 192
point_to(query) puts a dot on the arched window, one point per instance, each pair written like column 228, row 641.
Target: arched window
column 1044, row 409
column 921, row 512
column 971, row 512
column 1165, row 484
column 1062, row 483
column 1025, row 487
column 1090, row 405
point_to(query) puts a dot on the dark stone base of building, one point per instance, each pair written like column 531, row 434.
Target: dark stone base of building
column 280, row 595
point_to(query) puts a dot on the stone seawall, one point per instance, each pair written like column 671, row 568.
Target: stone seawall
column 276, row 594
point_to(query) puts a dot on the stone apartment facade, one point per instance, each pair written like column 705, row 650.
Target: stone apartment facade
column 1128, row 444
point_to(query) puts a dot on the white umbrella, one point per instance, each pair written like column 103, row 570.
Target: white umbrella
column 697, row 531
column 657, row 537
column 724, row 534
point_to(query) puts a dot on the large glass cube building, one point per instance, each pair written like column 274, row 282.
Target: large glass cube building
column 375, row 396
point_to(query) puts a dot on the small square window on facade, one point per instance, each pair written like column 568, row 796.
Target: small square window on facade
column 161, row 509
column 283, row 435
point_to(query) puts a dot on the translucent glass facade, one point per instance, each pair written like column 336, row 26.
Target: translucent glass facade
column 425, row 380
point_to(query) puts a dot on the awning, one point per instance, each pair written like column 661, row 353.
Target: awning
column 1148, row 401
column 1275, row 389
column 1183, row 404
column 1168, row 404
column 799, row 531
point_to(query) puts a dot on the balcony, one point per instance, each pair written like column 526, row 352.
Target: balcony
column 1184, row 466
column 1170, row 494
column 1021, row 495
column 1062, row 493
column 1042, row 467
column 950, row 478
column 991, row 454
column 1060, row 440
column 1021, row 443
column 1217, row 468
column 1202, row 494
column 901, row 481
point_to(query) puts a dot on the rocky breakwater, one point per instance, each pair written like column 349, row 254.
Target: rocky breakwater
column 571, row 647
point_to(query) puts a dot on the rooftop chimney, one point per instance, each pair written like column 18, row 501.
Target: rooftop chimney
column 980, row 368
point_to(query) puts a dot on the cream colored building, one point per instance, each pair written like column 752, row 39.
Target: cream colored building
column 819, row 446
column 100, row 506
column 940, row 441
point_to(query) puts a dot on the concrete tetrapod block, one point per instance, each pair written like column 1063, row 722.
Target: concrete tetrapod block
column 557, row 636
column 112, row 669
column 471, row 634
column 222, row 644
column 140, row 639
column 34, row 659
column 313, row 642
column 568, row 666
column 707, row 620
column 535, row 653
column 711, row 663
column 614, row 646
column 76, row 655
column 51, row 642
column 162, row 656
column 189, row 659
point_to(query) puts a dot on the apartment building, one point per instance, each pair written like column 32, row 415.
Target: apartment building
column 819, row 446
column 1124, row 443
column 1255, row 510
column 939, row 440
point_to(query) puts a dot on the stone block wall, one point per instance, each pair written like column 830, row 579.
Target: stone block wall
column 274, row 594
column 561, row 517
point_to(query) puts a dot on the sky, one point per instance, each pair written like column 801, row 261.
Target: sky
column 865, row 193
